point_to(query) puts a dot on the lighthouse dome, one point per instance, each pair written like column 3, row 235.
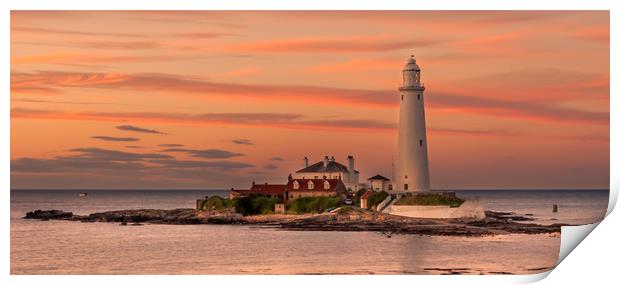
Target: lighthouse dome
column 411, row 65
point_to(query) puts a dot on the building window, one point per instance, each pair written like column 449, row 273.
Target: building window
column 420, row 142
column 418, row 97
column 390, row 187
column 310, row 185
column 316, row 177
column 325, row 185
column 295, row 184
column 406, row 186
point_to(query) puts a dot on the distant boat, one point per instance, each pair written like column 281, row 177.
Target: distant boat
column 83, row 194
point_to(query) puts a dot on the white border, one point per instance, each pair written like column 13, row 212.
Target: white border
column 572, row 269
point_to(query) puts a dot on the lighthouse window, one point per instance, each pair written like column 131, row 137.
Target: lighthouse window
column 418, row 97
column 406, row 186
column 420, row 142
column 402, row 97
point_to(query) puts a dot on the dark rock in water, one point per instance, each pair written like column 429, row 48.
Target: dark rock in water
column 507, row 216
column 49, row 214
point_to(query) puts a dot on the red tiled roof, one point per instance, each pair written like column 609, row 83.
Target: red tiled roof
column 277, row 189
column 318, row 184
column 367, row 194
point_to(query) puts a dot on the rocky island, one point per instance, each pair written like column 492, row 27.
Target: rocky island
column 341, row 219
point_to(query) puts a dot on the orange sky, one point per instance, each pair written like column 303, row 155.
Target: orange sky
column 156, row 99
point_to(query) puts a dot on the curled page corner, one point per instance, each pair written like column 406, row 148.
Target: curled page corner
column 571, row 237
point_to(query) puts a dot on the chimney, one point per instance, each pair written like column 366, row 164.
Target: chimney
column 290, row 177
column 305, row 161
column 351, row 166
column 325, row 161
column 333, row 159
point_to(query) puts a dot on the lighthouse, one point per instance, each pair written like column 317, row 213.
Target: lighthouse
column 412, row 167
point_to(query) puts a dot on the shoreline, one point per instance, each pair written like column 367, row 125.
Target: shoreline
column 343, row 219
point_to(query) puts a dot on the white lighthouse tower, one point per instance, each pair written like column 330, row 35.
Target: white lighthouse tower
column 412, row 170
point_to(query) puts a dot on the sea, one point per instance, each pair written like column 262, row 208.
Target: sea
column 63, row 247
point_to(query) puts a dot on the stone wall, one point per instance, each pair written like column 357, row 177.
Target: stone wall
column 470, row 209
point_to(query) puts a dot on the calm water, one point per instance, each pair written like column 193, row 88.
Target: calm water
column 58, row 247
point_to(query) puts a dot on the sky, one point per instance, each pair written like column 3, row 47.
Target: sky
column 218, row 99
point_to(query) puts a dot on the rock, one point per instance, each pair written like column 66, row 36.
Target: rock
column 49, row 214
column 351, row 219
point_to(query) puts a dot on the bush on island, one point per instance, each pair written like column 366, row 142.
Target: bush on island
column 313, row 204
column 361, row 192
column 376, row 199
column 255, row 205
column 345, row 210
column 431, row 200
column 216, row 203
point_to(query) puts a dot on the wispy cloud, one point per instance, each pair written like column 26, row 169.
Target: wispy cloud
column 134, row 146
column 200, row 35
column 90, row 59
column 597, row 34
column 171, row 145
column 115, row 139
column 270, row 166
column 200, row 87
column 348, row 44
column 89, row 159
column 94, row 167
column 205, row 153
column 51, row 31
column 242, row 141
column 277, row 158
column 527, row 110
column 219, row 164
column 27, row 100
column 131, row 128
column 115, row 155
column 357, row 65
column 515, row 134
column 127, row 45
column 262, row 120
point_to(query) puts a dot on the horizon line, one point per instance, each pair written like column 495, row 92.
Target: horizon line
column 228, row 189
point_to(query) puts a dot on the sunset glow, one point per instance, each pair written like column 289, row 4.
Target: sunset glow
column 159, row 99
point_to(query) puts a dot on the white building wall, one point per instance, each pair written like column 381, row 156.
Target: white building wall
column 470, row 209
column 412, row 167
column 380, row 185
